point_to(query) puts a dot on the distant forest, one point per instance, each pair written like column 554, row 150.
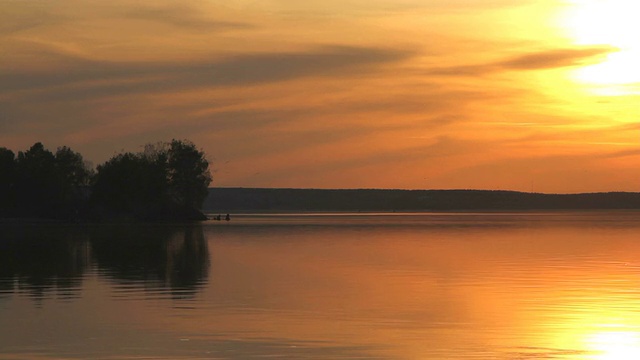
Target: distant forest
column 167, row 180
column 225, row 200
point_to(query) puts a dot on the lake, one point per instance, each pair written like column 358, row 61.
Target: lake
column 326, row 286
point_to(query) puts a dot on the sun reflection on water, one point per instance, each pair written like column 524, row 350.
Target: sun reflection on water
column 614, row 345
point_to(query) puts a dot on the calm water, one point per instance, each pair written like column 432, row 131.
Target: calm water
column 394, row 286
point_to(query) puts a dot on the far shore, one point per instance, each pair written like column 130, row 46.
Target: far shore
column 279, row 200
column 273, row 201
column 30, row 220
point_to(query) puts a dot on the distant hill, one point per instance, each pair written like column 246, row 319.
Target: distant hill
column 225, row 200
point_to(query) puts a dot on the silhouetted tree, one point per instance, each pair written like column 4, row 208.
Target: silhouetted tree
column 76, row 173
column 37, row 182
column 130, row 185
column 7, row 181
column 165, row 181
column 188, row 174
column 74, row 176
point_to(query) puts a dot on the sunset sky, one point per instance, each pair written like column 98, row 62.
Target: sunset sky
column 530, row 95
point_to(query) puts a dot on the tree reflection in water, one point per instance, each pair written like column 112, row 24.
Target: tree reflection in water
column 41, row 260
column 157, row 257
column 51, row 260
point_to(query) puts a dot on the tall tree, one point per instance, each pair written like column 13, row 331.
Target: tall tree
column 130, row 184
column 74, row 177
column 75, row 172
column 45, row 184
column 37, row 182
column 188, row 174
column 7, row 181
column 165, row 181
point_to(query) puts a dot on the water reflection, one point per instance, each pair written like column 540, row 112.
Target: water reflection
column 446, row 286
column 38, row 262
column 49, row 260
column 160, row 258
column 438, row 286
column 615, row 345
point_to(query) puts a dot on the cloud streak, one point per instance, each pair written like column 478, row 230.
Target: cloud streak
column 540, row 60
column 555, row 58
column 85, row 78
column 183, row 16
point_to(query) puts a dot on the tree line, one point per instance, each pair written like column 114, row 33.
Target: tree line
column 165, row 181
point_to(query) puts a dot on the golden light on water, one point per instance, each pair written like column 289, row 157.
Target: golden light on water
column 608, row 23
column 615, row 345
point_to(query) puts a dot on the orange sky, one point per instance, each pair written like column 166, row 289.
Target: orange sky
column 418, row 94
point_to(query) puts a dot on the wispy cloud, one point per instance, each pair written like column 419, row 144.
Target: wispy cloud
column 324, row 7
column 540, row 60
column 83, row 78
column 182, row 15
column 555, row 58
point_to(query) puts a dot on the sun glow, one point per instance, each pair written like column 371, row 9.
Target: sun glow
column 608, row 23
column 615, row 345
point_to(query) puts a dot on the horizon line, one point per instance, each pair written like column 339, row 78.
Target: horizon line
column 443, row 190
